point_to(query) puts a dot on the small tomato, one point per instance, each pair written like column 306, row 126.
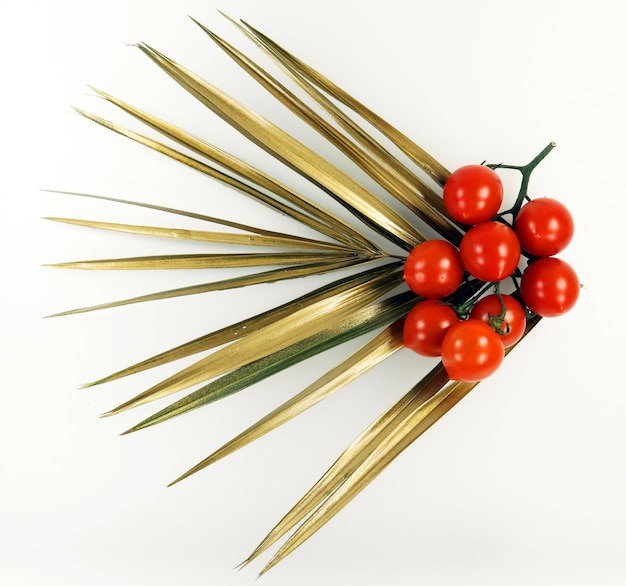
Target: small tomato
column 549, row 287
column 490, row 251
column 426, row 325
column 473, row 194
column 433, row 269
column 544, row 227
column 471, row 351
column 489, row 310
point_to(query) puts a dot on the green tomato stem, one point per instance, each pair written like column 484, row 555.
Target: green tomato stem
column 526, row 171
column 465, row 307
column 498, row 322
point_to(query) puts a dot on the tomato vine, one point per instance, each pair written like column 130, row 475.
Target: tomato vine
column 459, row 320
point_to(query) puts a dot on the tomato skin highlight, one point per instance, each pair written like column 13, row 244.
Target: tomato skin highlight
column 549, row 287
column 433, row 269
column 426, row 325
column 471, row 351
column 490, row 306
column 473, row 194
column 544, row 226
column 490, row 251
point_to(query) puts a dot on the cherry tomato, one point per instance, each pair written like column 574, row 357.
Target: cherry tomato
column 433, row 269
column 471, row 351
column 490, row 251
column 473, row 194
column 489, row 310
column 544, row 226
column 549, row 287
column 426, row 325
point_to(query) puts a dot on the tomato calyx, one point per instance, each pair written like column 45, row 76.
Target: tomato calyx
column 497, row 321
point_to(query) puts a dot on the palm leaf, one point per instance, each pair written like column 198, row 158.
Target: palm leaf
column 278, row 241
column 368, row 456
column 273, row 276
column 372, row 353
column 300, row 324
column 203, row 261
column 376, row 160
column 312, row 222
column 243, row 328
column 359, row 323
column 353, row 456
column 242, row 169
column 257, row 347
column 376, row 214
column 430, row 165
column 229, row 223
column 402, row 431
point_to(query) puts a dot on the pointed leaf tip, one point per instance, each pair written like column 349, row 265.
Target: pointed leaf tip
column 175, row 481
column 269, row 566
column 229, row 18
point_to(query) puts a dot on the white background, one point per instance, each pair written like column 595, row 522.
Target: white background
column 523, row 483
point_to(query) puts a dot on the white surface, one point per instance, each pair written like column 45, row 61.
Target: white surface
column 523, row 483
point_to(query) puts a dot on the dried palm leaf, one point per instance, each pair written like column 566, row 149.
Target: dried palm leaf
column 298, row 325
column 367, row 457
column 356, row 325
column 431, row 166
column 278, row 241
column 378, row 163
column 362, row 302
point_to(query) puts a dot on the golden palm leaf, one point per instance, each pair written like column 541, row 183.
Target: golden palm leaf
column 369, row 298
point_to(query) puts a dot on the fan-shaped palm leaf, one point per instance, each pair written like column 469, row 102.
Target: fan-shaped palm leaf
column 354, row 305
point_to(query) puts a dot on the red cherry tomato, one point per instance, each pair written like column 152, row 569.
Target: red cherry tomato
column 549, row 287
column 471, row 351
column 490, row 251
column 433, row 269
column 489, row 310
column 426, row 325
column 544, row 227
column 473, row 194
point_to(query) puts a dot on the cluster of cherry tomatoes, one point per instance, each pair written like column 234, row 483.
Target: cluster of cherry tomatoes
column 471, row 337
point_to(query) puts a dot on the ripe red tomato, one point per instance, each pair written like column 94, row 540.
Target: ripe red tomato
column 489, row 309
column 549, row 287
column 433, row 269
column 471, row 351
column 544, row 226
column 490, row 251
column 426, row 325
column 473, row 194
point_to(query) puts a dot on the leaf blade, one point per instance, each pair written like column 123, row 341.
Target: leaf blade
column 404, row 428
column 430, row 165
column 294, row 154
column 186, row 213
column 242, row 328
column 294, row 327
column 372, row 353
column 320, row 219
column 375, row 160
column 362, row 322
column 210, row 171
column 405, row 431
column 353, row 456
column 202, row 261
column 276, row 240
column 265, row 277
